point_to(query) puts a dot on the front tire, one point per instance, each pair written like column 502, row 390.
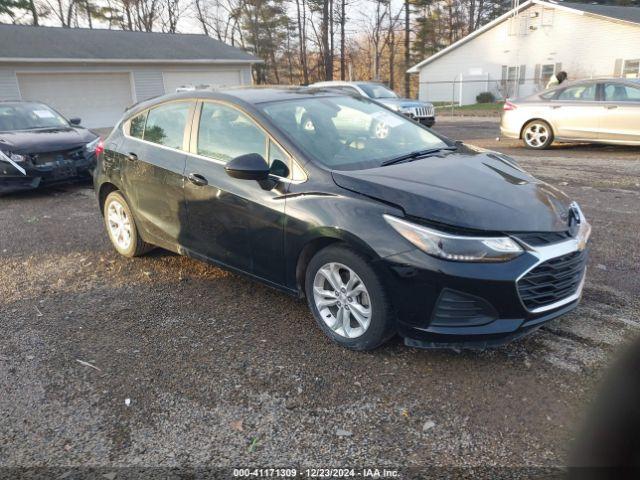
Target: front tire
column 122, row 228
column 537, row 135
column 348, row 300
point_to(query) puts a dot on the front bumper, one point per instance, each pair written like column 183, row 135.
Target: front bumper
column 441, row 303
column 427, row 121
column 12, row 180
column 507, row 132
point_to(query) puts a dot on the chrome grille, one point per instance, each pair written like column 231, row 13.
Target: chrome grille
column 422, row 112
column 553, row 280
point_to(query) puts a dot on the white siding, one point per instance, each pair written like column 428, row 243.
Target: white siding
column 146, row 81
column 584, row 45
column 147, row 84
column 214, row 77
column 8, row 85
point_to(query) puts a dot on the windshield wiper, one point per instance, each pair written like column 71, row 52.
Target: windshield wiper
column 415, row 155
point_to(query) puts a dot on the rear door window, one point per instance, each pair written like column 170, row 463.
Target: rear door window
column 615, row 92
column 166, row 124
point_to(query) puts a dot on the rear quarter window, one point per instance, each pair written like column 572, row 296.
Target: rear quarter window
column 136, row 126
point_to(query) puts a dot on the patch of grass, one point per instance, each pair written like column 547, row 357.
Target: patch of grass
column 480, row 108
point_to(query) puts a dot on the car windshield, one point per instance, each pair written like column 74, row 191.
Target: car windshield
column 349, row 133
column 377, row 91
column 29, row 116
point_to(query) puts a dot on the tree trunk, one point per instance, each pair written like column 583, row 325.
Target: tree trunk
column 87, row 6
column 303, row 40
column 328, row 67
column 34, row 13
column 392, row 53
column 407, row 49
column 343, row 21
column 331, row 36
column 200, row 16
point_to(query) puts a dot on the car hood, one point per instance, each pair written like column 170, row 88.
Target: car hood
column 403, row 102
column 480, row 191
column 44, row 140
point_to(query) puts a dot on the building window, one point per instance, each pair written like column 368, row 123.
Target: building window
column 546, row 72
column 631, row 69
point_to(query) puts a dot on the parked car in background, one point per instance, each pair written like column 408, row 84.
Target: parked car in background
column 39, row 146
column 409, row 233
column 605, row 110
column 420, row 111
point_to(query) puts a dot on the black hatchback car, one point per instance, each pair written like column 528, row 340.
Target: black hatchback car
column 384, row 226
column 39, row 146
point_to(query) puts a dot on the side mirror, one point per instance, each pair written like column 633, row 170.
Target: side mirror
column 251, row 166
column 75, row 121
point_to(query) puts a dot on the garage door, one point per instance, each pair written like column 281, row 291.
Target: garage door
column 220, row 78
column 98, row 99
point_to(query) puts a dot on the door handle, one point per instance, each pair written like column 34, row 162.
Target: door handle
column 197, row 179
column 611, row 107
column 555, row 107
column 132, row 156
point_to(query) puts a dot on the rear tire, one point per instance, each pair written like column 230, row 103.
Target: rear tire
column 122, row 228
column 537, row 135
column 348, row 300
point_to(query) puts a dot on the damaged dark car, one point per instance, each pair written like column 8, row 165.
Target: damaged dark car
column 38, row 146
column 383, row 225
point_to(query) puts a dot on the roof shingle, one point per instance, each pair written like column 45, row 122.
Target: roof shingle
column 628, row 14
column 25, row 42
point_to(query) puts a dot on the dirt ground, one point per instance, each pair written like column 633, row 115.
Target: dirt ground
column 187, row 365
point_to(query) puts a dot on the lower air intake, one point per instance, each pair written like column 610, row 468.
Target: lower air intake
column 457, row 309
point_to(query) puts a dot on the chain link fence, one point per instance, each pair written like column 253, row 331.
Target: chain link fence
column 476, row 94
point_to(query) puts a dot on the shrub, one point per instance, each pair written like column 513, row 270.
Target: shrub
column 485, row 97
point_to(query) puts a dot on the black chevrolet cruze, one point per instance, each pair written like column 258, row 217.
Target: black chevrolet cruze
column 384, row 226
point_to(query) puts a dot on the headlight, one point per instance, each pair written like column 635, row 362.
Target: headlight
column 584, row 227
column 393, row 107
column 91, row 146
column 8, row 156
column 456, row 247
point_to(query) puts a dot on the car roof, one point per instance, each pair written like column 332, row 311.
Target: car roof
column 250, row 96
column 328, row 83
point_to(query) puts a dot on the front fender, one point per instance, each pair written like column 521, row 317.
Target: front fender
column 321, row 218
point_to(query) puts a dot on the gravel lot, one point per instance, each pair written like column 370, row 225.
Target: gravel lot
column 222, row 371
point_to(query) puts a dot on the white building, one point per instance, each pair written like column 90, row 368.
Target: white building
column 516, row 54
column 95, row 74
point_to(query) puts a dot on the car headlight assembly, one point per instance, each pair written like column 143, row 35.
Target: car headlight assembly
column 456, row 248
column 93, row 146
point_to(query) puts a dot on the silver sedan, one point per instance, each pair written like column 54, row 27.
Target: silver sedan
column 594, row 111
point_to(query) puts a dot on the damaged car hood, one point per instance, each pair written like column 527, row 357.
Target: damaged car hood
column 44, row 139
column 479, row 191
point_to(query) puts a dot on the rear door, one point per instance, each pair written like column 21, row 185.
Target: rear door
column 235, row 222
column 576, row 112
column 153, row 169
column 621, row 112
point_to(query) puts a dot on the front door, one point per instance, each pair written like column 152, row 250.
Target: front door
column 238, row 223
column 575, row 113
column 621, row 113
column 153, row 167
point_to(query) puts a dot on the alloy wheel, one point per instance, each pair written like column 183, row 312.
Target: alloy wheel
column 536, row 135
column 342, row 300
column 119, row 225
